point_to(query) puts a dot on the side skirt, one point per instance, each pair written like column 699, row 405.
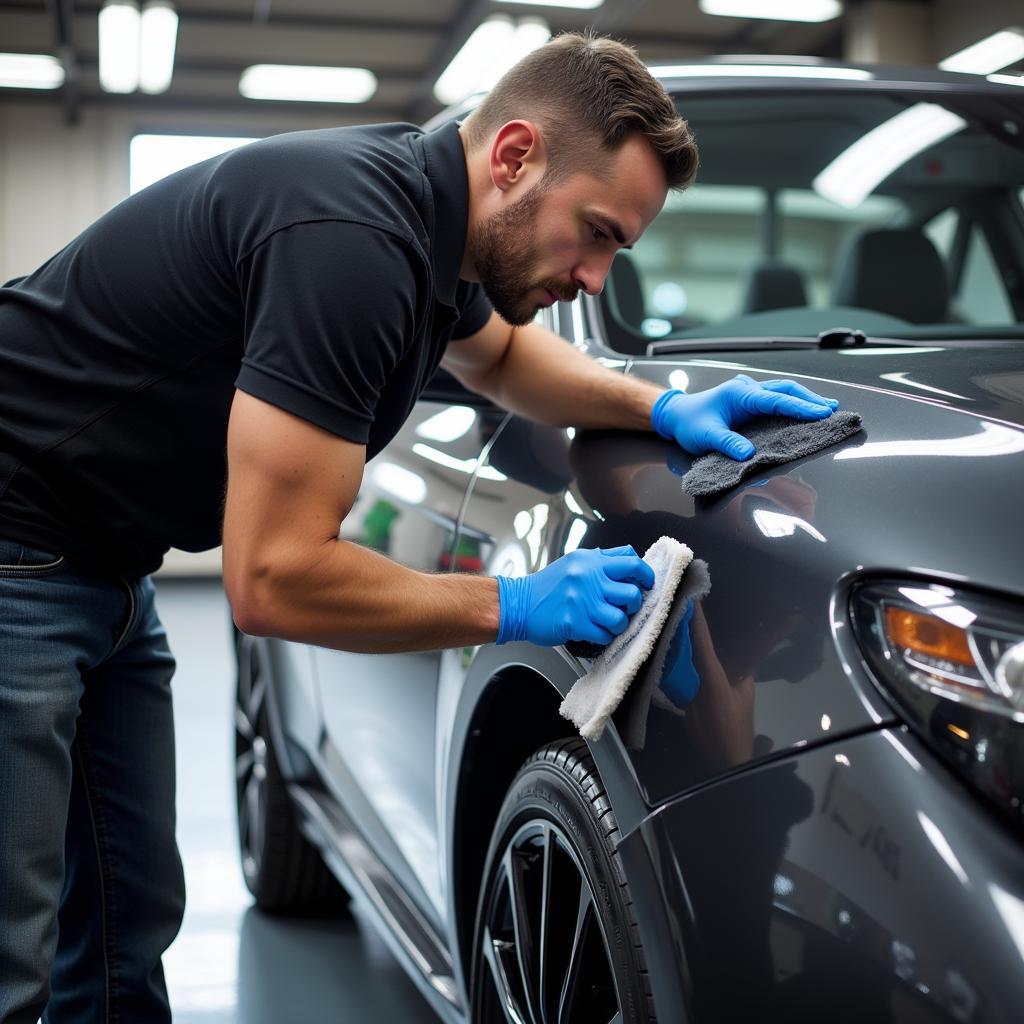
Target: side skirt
column 410, row 937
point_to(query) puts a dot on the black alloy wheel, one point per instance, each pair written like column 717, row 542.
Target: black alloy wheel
column 556, row 941
column 282, row 869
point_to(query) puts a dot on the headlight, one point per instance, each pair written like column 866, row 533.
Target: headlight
column 953, row 661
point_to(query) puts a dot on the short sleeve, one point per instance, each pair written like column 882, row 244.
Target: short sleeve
column 329, row 312
column 474, row 309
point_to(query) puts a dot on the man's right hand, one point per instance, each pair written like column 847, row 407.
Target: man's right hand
column 588, row 594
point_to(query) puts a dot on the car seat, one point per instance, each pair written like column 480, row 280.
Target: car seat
column 773, row 285
column 896, row 271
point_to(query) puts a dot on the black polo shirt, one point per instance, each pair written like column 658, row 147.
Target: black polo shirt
column 316, row 270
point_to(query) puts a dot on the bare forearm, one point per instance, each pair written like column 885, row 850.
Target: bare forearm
column 544, row 378
column 353, row 599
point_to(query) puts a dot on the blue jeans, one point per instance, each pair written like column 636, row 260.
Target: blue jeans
column 91, row 884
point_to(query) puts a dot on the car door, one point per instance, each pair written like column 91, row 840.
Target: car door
column 379, row 710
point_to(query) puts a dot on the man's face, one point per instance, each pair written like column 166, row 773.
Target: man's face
column 551, row 243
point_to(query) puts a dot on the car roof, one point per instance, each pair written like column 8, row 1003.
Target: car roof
column 737, row 71
column 780, row 72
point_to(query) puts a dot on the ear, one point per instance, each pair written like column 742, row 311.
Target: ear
column 517, row 156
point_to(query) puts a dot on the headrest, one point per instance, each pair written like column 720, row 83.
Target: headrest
column 773, row 286
column 896, row 271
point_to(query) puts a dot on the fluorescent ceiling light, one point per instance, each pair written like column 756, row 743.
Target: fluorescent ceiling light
column 1006, row 79
column 157, row 38
column 578, row 5
column 311, row 84
column 776, row 10
column 493, row 47
column 852, row 176
column 758, row 71
column 529, row 34
column 992, row 53
column 158, row 35
column 30, row 71
column 119, row 46
column 473, row 61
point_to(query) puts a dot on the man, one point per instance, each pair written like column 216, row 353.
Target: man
column 287, row 302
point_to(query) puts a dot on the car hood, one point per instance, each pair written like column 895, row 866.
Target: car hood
column 934, row 480
column 976, row 378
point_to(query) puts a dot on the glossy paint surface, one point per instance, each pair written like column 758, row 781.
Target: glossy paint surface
column 854, row 877
column 752, row 668
column 377, row 747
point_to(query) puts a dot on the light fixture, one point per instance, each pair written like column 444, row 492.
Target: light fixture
column 1006, row 79
column 529, row 34
column 309, row 84
column 158, row 35
column 576, row 5
column 775, row 10
column 994, row 52
column 852, row 176
column 759, row 71
column 119, row 46
column 30, row 71
column 493, row 47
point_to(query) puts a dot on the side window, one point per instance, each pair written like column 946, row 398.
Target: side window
column 981, row 297
column 979, row 294
column 942, row 230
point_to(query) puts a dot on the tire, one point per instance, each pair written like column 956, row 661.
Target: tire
column 556, row 938
column 282, row 869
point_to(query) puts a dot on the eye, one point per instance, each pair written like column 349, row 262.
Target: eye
column 599, row 235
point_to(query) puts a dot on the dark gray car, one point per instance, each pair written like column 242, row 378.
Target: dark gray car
column 808, row 807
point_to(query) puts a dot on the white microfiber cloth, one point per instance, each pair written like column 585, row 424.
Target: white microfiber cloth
column 595, row 696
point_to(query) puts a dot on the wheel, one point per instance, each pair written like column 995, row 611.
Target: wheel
column 556, row 941
column 282, row 869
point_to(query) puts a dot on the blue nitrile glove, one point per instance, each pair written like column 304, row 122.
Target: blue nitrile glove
column 587, row 594
column 703, row 422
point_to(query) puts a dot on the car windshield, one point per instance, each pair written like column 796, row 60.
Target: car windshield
column 893, row 213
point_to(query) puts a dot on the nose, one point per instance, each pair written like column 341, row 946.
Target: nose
column 589, row 276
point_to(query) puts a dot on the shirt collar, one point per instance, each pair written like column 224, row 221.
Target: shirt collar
column 445, row 165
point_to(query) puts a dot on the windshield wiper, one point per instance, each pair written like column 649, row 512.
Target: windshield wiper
column 834, row 337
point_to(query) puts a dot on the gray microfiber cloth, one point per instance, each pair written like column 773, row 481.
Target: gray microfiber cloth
column 593, row 697
column 777, row 439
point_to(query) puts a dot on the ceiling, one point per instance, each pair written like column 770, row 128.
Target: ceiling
column 406, row 43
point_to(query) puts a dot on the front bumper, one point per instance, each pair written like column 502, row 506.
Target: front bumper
column 856, row 881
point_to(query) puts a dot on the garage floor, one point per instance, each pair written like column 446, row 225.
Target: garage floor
column 231, row 964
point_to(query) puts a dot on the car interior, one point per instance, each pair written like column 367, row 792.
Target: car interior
column 936, row 250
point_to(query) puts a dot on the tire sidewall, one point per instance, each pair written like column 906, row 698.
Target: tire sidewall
column 546, row 792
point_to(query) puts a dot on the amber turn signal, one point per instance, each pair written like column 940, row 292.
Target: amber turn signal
column 928, row 635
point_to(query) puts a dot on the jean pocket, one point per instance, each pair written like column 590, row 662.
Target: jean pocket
column 17, row 559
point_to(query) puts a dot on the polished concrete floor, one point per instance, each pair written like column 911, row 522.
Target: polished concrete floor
column 231, row 964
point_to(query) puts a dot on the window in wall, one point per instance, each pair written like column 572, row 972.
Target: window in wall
column 152, row 157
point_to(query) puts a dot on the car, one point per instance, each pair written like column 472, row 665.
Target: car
column 808, row 805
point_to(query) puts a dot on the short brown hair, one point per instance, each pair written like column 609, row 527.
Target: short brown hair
column 580, row 88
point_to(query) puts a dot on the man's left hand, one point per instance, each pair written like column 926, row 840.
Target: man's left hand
column 703, row 422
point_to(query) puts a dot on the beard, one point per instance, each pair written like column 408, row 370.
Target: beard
column 504, row 251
